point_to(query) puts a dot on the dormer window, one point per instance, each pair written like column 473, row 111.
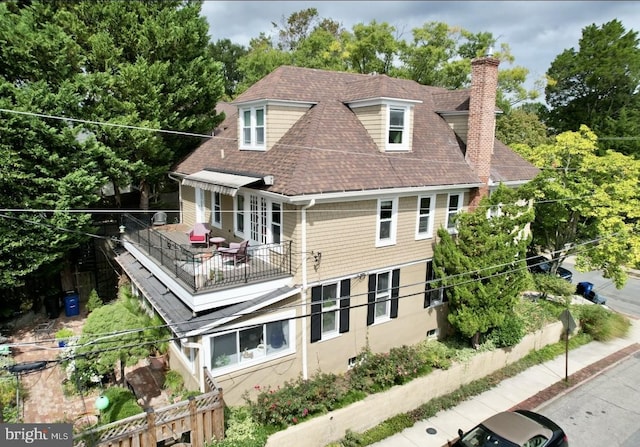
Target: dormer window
column 397, row 128
column 252, row 124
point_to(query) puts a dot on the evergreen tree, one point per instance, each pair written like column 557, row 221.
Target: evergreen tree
column 482, row 267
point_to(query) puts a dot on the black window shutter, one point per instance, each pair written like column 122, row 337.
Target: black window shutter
column 395, row 292
column 427, row 285
column 371, row 299
column 345, row 303
column 316, row 313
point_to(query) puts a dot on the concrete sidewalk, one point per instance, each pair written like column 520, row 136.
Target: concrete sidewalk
column 529, row 389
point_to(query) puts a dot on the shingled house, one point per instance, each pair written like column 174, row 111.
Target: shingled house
column 337, row 183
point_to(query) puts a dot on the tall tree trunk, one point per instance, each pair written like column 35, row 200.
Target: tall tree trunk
column 144, row 195
column 475, row 340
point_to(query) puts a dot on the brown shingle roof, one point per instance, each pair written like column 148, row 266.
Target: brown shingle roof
column 329, row 150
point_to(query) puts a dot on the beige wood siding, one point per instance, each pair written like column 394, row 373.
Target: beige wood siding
column 188, row 205
column 279, row 120
column 373, row 119
column 411, row 326
column 345, row 234
column 459, row 124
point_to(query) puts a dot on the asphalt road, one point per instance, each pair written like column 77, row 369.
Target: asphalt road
column 604, row 411
column 625, row 300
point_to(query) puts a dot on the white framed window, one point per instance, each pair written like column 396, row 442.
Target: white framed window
column 454, row 206
column 397, row 128
column 200, row 208
column 330, row 314
column 265, row 218
column 387, row 222
column 252, row 123
column 383, row 297
column 276, row 222
column 425, row 217
column 216, row 209
column 250, row 345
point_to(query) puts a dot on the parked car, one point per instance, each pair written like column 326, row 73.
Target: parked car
column 540, row 264
column 585, row 290
column 519, row 428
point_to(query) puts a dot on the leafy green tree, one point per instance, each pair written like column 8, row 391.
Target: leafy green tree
column 113, row 334
column 261, row 59
column 145, row 64
column 586, row 204
column 521, row 127
column 482, row 267
column 597, row 85
column 372, row 48
column 46, row 165
column 228, row 53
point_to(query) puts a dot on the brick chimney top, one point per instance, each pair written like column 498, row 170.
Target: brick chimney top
column 482, row 120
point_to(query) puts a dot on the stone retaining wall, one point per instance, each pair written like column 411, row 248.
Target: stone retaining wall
column 376, row 408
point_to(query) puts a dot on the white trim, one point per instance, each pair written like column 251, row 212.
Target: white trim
column 380, row 101
column 431, row 216
column 288, row 316
column 200, row 206
column 406, row 126
column 253, row 128
column 364, row 194
column 460, row 196
column 274, row 102
column 216, row 205
column 392, row 220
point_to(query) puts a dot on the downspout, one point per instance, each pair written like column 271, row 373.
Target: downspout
column 303, row 254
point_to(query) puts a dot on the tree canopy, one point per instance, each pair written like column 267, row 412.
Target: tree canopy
column 130, row 65
column 597, row 85
column 586, row 204
column 436, row 54
column 483, row 268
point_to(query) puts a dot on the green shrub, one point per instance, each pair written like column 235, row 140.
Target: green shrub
column 173, row 382
column 377, row 372
column 122, row 404
column 435, row 354
column 94, row 301
column 241, row 430
column 602, row 324
column 509, row 334
column 298, row 400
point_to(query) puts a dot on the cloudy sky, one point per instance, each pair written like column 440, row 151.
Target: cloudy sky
column 536, row 31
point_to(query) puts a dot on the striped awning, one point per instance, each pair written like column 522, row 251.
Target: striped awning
column 227, row 184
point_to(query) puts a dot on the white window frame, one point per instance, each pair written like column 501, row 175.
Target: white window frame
column 330, row 305
column 245, row 361
column 260, row 219
column 216, row 209
column 404, row 145
column 239, row 215
column 200, row 206
column 256, row 132
column 383, row 299
column 392, row 221
column 429, row 215
column 453, row 212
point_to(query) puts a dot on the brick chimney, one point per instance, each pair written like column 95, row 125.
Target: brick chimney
column 482, row 122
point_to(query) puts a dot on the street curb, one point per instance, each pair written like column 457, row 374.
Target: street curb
column 577, row 379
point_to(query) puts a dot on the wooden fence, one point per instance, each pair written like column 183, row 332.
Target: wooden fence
column 194, row 422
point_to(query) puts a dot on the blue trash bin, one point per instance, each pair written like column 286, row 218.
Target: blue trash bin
column 71, row 304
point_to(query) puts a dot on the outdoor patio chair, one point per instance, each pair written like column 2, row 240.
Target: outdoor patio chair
column 159, row 218
column 44, row 329
column 237, row 252
column 199, row 234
